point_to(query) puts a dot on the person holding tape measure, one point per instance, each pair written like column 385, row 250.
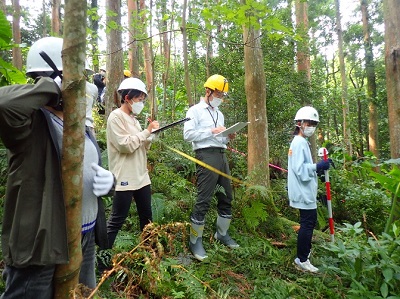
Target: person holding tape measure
column 206, row 120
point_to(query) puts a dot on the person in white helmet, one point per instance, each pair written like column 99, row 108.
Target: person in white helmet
column 206, row 120
column 34, row 232
column 127, row 146
column 302, row 183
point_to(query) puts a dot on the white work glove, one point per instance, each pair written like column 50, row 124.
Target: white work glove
column 103, row 180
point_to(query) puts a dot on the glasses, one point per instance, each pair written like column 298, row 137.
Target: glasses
column 219, row 94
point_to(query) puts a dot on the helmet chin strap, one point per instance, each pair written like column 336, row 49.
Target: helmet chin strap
column 208, row 99
column 52, row 65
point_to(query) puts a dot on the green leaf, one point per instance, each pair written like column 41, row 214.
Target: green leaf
column 11, row 74
column 384, row 290
column 388, row 274
column 5, row 31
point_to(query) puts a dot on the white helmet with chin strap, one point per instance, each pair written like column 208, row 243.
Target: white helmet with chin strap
column 132, row 83
column 307, row 113
column 36, row 65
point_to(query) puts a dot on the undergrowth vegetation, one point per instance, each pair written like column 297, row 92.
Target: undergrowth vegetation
column 363, row 262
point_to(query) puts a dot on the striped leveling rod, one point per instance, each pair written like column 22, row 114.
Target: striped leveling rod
column 329, row 202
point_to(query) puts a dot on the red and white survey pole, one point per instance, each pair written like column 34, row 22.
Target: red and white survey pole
column 328, row 199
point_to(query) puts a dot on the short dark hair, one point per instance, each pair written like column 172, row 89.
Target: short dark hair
column 132, row 93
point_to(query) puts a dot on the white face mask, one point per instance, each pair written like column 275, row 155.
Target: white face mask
column 215, row 102
column 137, row 107
column 308, row 131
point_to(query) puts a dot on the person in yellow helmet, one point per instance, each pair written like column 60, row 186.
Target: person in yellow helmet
column 127, row 74
column 206, row 120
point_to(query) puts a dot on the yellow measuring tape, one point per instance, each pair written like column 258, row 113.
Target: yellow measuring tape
column 205, row 165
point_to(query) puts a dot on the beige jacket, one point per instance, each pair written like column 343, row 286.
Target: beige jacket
column 127, row 147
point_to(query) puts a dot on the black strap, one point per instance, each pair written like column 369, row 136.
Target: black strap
column 52, row 65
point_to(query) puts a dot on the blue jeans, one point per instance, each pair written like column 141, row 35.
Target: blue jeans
column 36, row 282
column 32, row 282
column 308, row 220
column 87, row 275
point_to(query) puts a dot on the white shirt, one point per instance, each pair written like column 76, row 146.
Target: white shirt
column 203, row 119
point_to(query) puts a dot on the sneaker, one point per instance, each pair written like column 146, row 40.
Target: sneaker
column 305, row 266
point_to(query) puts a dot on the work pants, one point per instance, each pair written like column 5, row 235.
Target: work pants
column 207, row 180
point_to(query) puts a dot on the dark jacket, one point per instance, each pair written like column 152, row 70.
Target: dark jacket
column 34, row 226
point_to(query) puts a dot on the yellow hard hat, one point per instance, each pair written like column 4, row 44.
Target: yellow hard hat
column 217, row 82
column 127, row 73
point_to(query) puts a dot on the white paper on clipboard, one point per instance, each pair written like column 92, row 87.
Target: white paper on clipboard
column 232, row 129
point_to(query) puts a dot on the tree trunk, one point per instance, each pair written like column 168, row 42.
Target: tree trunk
column 148, row 59
column 115, row 64
column 3, row 6
column 16, row 51
column 133, row 56
column 73, row 93
column 185, row 55
column 44, row 21
column 166, row 51
column 345, row 104
column 255, row 87
column 371, row 83
column 303, row 58
column 392, row 62
column 55, row 17
column 94, row 42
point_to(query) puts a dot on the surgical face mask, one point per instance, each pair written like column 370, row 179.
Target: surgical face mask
column 137, row 107
column 308, row 131
column 215, row 102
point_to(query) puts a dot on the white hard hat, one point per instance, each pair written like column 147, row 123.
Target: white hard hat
column 52, row 46
column 321, row 151
column 132, row 83
column 35, row 65
column 307, row 113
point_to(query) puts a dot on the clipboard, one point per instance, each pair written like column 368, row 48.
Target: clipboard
column 232, row 129
column 171, row 125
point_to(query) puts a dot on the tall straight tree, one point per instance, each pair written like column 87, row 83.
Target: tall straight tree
column 114, row 62
column 73, row 94
column 93, row 39
column 16, row 51
column 3, row 6
column 255, row 88
column 345, row 102
column 185, row 54
column 392, row 62
column 148, row 58
column 371, row 82
column 303, row 56
column 133, row 56
column 55, row 17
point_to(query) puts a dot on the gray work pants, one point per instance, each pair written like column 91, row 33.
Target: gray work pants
column 207, row 180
